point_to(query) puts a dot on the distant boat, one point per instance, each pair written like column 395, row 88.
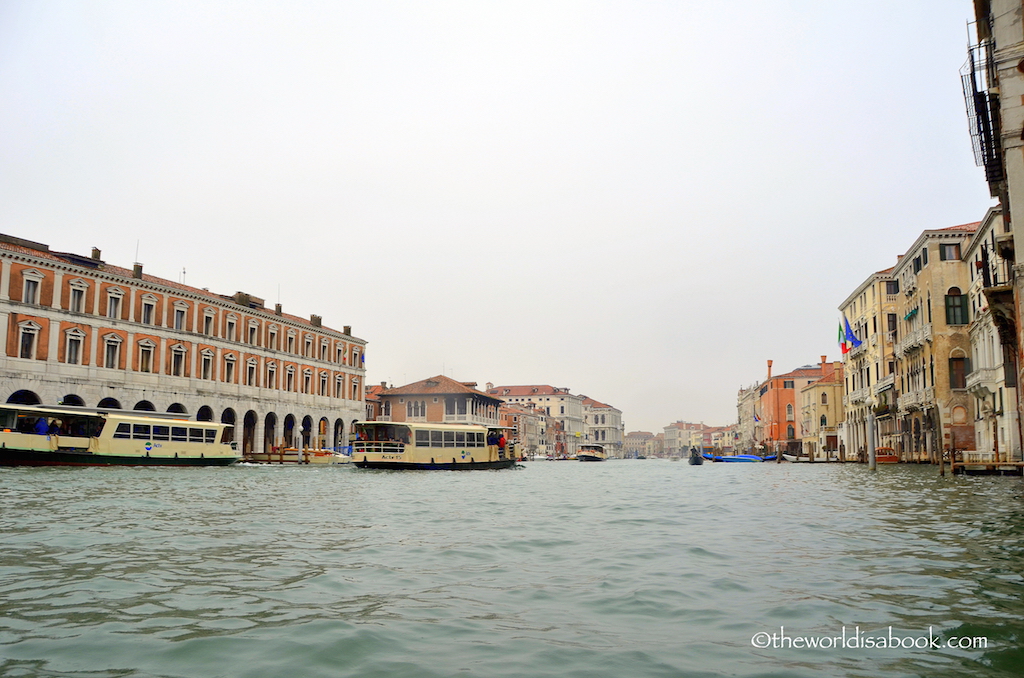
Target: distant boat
column 591, row 453
column 695, row 457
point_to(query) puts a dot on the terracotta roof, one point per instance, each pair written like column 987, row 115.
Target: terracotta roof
column 435, row 385
column 590, row 402
column 534, row 390
column 971, row 227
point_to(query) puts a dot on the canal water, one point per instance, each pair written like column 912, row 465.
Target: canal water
column 625, row 569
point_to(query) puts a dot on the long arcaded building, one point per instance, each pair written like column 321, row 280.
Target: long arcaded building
column 83, row 332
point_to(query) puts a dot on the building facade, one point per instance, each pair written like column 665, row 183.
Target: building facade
column 440, row 400
column 80, row 331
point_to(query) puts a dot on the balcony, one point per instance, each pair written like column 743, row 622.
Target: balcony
column 984, row 381
column 978, row 79
column 914, row 340
column 857, row 397
column 909, row 402
column 997, row 281
column 883, row 384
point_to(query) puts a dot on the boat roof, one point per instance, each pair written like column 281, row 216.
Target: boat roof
column 73, row 410
column 428, row 424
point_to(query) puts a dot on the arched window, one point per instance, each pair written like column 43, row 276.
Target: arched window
column 824, row 421
column 956, row 307
column 790, row 432
column 789, row 413
column 824, row 399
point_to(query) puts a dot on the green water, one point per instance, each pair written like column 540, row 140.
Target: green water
column 625, row 569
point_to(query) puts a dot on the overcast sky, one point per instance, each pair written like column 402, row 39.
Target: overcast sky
column 640, row 201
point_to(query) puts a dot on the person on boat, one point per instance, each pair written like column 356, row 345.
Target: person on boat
column 42, row 426
column 501, row 446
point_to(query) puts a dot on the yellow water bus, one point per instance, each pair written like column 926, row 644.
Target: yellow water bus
column 421, row 445
column 36, row 435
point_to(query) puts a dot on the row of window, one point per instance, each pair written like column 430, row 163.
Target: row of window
column 180, row 434
column 148, row 314
column 73, row 354
column 450, row 439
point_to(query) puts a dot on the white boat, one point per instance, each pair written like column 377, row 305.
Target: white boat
column 421, row 445
column 591, row 453
column 36, row 435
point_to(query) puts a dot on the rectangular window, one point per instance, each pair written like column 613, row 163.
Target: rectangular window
column 230, row 331
column 289, row 381
column 291, row 344
column 196, row 435
column 28, row 344
column 959, row 368
column 178, row 364
column 148, row 310
column 924, row 257
column 436, row 439
column 114, row 307
column 161, row 433
column 77, row 300
column 208, row 325
column 123, row 431
column 112, row 355
column 141, row 432
column 179, row 434
column 145, row 359
column 252, row 334
column 787, row 384
column 229, row 371
column 956, row 309
column 207, row 367
column 949, row 252
column 74, row 355
column 179, row 318
column 31, row 294
column 892, row 286
column 211, row 436
column 273, row 340
column 250, row 375
column 422, row 438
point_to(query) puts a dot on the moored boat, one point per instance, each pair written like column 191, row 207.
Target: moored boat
column 591, row 453
column 416, row 445
column 886, row 455
column 36, row 435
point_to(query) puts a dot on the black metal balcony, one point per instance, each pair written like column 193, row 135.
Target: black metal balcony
column 978, row 77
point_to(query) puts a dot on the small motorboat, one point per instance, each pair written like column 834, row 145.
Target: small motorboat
column 886, row 455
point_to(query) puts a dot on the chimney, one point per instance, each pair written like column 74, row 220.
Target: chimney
column 315, row 320
column 823, row 361
column 277, row 309
column 347, row 330
column 769, row 369
column 137, row 272
column 489, row 386
column 96, row 253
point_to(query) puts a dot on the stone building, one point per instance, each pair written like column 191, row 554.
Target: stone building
column 603, row 426
column 439, row 400
column 564, row 408
column 933, row 348
column 82, row 332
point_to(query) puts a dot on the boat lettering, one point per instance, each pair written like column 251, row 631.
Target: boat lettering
column 391, row 456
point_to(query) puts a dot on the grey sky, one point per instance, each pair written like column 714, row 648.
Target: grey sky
column 641, row 201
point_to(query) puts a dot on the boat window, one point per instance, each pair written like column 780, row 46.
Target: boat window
column 436, row 439
column 123, row 431
column 140, row 431
column 8, row 419
column 161, row 433
column 179, row 434
column 195, row 435
column 460, row 439
column 422, row 438
column 449, row 438
column 211, row 435
column 480, row 442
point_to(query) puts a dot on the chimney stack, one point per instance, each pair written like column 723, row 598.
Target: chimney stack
column 137, row 272
column 347, row 330
column 277, row 309
column 96, row 253
column 769, row 369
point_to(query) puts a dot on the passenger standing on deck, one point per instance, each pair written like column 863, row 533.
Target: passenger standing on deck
column 42, row 426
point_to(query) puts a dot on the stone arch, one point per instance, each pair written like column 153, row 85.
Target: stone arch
column 144, row 406
column 269, row 432
column 24, row 397
column 228, row 417
column 322, row 430
column 249, row 432
column 73, row 400
column 307, row 431
column 339, row 434
column 205, row 413
column 177, row 408
column 110, row 404
column 289, row 431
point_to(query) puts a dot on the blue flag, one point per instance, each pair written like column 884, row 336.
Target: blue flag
column 850, row 336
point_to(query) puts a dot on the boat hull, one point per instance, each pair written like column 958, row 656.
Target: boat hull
column 433, row 466
column 588, row 457
column 15, row 457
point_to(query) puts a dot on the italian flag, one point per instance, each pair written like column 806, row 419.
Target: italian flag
column 842, row 340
